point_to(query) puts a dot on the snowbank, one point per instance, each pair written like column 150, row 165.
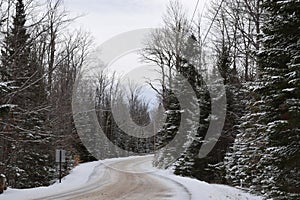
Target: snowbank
column 85, row 173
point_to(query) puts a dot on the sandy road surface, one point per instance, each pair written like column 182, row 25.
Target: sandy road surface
column 126, row 180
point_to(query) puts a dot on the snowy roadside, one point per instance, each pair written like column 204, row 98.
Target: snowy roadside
column 86, row 173
column 78, row 177
column 205, row 191
column 200, row 190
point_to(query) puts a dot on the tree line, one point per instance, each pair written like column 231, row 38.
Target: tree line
column 250, row 47
column 254, row 45
column 40, row 57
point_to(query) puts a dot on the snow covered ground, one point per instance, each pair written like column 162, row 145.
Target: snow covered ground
column 84, row 174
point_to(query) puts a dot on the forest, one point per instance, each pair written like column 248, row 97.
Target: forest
column 235, row 65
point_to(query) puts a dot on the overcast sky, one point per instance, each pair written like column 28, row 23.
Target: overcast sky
column 106, row 18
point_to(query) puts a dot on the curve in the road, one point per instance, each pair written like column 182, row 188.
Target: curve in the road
column 113, row 184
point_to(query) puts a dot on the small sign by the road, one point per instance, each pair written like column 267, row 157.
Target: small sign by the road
column 60, row 155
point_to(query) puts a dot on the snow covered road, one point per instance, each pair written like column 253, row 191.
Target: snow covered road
column 116, row 182
column 127, row 179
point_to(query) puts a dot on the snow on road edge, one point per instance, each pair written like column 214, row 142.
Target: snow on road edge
column 76, row 179
column 82, row 174
column 202, row 190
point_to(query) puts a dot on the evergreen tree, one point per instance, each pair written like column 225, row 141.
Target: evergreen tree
column 189, row 164
column 267, row 152
column 15, row 55
column 224, row 63
column 29, row 162
column 235, row 94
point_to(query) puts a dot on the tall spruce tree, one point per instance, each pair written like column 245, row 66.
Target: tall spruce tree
column 267, row 151
column 280, row 74
column 28, row 163
column 15, row 55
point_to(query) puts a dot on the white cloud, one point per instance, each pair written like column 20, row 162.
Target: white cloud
column 106, row 18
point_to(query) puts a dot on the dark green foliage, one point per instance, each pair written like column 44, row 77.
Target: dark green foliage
column 15, row 55
column 28, row 163
column 280, row 72
column 167, row 156
column 194, row 126
column 223, row 64
column 211, row 168
column 266, row 153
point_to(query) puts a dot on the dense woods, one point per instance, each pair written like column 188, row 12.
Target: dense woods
column 244, row 51
column 39, row 63
column 254, row 46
